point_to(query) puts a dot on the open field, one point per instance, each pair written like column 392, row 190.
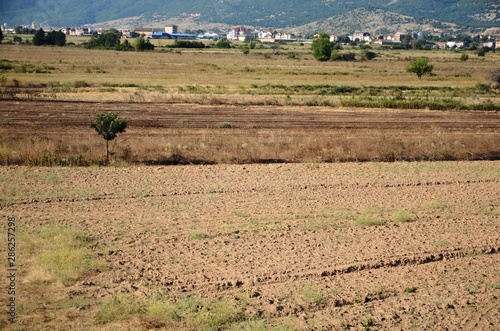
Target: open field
column 277, row 104
column 260, row 226
column 58, row 133
column 385, row 246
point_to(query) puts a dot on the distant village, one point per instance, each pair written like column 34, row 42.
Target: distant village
column 242, row 33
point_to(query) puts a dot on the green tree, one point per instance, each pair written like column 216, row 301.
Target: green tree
column 60, row 39
column 420, row 67
column 107, row 40
column 108, row 125
column 418, row 44
column 143, row 45
column 1, row 35
column 322, row 48
column 223, row 43
column 406, row 42
column 39, row 38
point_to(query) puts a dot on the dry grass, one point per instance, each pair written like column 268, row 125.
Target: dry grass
column 250, row 145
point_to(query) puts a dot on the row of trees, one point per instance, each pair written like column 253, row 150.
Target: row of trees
column 53, row 38
column 111, row 40
column 325, row 50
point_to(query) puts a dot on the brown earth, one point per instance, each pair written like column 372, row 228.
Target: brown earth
column 244, row 134
column 388, row 246
column 57, row 117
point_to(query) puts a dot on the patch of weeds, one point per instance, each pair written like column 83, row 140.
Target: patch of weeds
column 470, row 291
column 198, row 235
column 251, row 325
column 343, row 214
column 441, row 243
column 227, row 125
column 369, row 220
column 94, row 70
column 81, row 84
column 118, row 308
column 346, row 325
column 63, row 252
column 436, row 205
column 164, row 311
column 76, row 301
column 410, row 289
column 367, row 322
column 489, row 210
column 312, row 294
column 403, row 216
column 195, row 313
column 495, row 286
column 312, row 226
column 142, row 194
column 241, row 214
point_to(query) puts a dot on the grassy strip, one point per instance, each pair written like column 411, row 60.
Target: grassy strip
column 437, row 104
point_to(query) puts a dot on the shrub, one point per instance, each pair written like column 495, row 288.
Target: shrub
column 143, row 45
column 495, row 78
column 223, row 43
column 187, row 44
column 420, row 67
column 369, row 55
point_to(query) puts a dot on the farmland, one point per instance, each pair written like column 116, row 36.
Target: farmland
column 277, row 102
column 276, row 246
column 239, row 198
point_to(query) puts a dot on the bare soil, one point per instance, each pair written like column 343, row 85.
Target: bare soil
column 58, row 116
column 157, row 132
column 298, row 240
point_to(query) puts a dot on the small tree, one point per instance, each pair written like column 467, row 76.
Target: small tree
column 420, row 67
column 142, row 44
column 108, row 125
column 322, row 48
column 464, row 57
column 1, row 35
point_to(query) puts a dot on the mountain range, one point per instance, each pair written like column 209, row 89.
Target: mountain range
column 460, row 15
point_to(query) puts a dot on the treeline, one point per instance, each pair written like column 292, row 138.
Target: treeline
column 53, row 38
column 221, row 43
column 112, row 40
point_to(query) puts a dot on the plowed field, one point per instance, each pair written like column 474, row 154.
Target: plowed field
column 58, row 133
column 387, row 246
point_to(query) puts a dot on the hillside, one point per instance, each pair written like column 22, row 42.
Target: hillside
column 376, row 21
column 467, row 13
